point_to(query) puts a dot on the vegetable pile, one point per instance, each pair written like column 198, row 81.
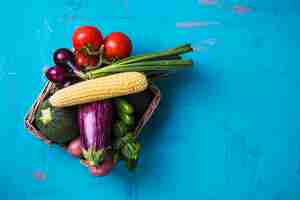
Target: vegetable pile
column 91, row 111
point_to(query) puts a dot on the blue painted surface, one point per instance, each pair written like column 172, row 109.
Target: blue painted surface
column 228, row 129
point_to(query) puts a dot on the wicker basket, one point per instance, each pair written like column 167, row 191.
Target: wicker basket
column 145, row 104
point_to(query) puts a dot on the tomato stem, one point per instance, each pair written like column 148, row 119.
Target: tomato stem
column 93, row 53
column 76, row 71
column 101, row 61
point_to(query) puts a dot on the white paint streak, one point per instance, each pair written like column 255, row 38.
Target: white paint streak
column 209, row 41
column 198, row 48
column 194, row 24
column 49, row 28
column 204, row 44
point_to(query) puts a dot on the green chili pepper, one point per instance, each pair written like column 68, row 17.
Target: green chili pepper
column 124, row 106
column 119, row 128
column 131, row 150
column 127, row 119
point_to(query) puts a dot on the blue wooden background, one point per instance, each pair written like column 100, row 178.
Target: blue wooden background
column 228, row 129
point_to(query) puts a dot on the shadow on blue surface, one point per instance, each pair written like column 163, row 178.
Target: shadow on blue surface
column 170, row 87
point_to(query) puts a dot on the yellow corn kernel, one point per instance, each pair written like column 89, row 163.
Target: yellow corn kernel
column 115, row 85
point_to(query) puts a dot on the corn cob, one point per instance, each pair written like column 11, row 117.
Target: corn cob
column 99, row 89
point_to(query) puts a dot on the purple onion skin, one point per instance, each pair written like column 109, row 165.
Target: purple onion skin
column 95, row 122
column 57, row 74
column 66, row 58
column 63, row 57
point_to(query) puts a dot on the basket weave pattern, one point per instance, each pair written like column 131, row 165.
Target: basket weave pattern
column 50, row 88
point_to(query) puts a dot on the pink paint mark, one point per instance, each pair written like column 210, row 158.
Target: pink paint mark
column 208, row 2
column 239, row 9
column 194, row 24
column 39, row 175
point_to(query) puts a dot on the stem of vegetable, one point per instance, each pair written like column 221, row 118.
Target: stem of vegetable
column 176, row 57
column 77, row 72
column 165, row 60
column 140, row 67
column 145, row 63
column 98, row 53
column 93, row 53
column 146, row 56
column 161, row 63
column 143, row 68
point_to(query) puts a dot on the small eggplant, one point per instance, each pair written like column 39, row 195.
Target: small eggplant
column 95, row 121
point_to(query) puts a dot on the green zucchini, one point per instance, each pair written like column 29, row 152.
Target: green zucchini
column 57, row 124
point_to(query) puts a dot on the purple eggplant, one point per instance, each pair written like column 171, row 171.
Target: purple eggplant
column 95, row 121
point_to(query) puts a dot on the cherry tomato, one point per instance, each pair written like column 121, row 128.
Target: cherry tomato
column 82, row 60
column 87, row 36
column 117, row 45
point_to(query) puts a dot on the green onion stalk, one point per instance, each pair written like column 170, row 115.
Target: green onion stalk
column 148, row 62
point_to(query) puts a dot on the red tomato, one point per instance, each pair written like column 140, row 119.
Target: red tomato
column 117, row 45
column 82, row 60
column 87, row 36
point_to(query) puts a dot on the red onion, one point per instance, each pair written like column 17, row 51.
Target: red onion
column 57, row 74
